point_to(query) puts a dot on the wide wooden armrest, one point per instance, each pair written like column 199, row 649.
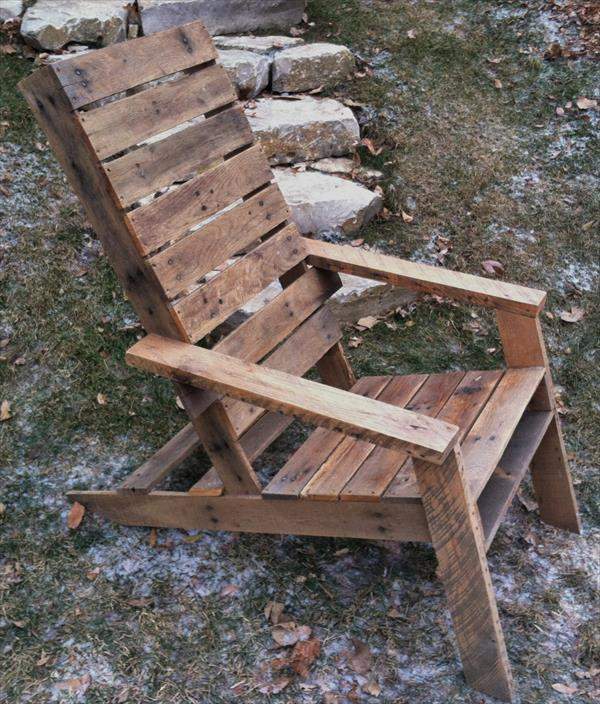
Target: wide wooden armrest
column 424, row 278
column 316, row 403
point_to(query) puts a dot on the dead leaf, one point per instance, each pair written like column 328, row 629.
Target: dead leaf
column 411, row 34
column 44, row 659
column 75, row 515
column 355, row 342
column 303, row 655
column 76, row 684
column 372, row 688
column 276, row 686
column 153, row 539
column 564, row 688
column 5, row 413
column 92, row 574
column 394, row 613
column 140, row 603
column 368, row 143
column 102, row 399
column 19, row 624
column 357, row 243
column 273, row 612
column 529, row 504
column 296, row 32
column 493, row 60
column 586, row 103
column 286, row 634
column 229, row 590
column 560, row 111
column 366, row 323
column 361, row 659
column 7, row 49
column 406, row 217
column 4, row 343
column 498, row 83
column 572, row 316
column 493, row 267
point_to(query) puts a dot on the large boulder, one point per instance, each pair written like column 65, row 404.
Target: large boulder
column 248, row 71
column 321, row 203
column 260, row 45
column 50, row 24
column 309, row 66
column 303, row 129
column 10, row 9
column 221, row 16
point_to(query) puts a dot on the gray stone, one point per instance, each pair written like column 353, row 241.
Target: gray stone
column 10, row 9
column 221, row 16
column 309, row 66
column 303, row 129
column 334, row 165
column 50, row 24
column 248, row 71
column 325, row 203
column 259, row 45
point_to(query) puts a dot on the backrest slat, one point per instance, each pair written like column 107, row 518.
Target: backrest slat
column 170, row 216
column 123, row 123
column 153, row 166
column 119, row 67
column 211, row 304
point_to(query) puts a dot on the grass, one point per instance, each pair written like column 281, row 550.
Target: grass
column 495, row 171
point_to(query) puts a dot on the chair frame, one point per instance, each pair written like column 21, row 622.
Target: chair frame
column 459, row 521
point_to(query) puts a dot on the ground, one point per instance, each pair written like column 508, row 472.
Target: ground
column 465, row 106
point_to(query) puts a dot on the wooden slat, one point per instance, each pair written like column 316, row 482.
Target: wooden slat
column 302, row 465
column 295, row 356
column 168, row 217
column 171, row 509
column 162, row 462
column 123, row 123
column 340, row 467
column 153, row 166
column 499, row 492
column 181, row 265
column 424, row 278
column 73, row 150
column 213, row 303
column 486, row 441
column 118, row 67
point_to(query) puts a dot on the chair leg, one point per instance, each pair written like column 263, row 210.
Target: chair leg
column 457, row 537
column 552, row 481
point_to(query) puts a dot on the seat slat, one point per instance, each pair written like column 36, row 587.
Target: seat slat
column 333, row 475
column 181, row 265
column 116, row 68
column 461, row 408
column 168, row 217
column 123, row 123
column 484, row 444
column 153, row 166
column 211, row 304
column 302, row 465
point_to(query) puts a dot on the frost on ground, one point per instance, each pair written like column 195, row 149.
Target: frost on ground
column 114, row 614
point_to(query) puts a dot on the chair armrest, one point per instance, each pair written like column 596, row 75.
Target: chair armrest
column 424, row 278
column 380, row 423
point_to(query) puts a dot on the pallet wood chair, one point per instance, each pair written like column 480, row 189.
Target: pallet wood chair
column 423, row 457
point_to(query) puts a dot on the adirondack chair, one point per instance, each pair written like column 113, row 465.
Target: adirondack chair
column 423, row 457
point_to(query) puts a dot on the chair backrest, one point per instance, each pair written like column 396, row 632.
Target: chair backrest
column 163, row 159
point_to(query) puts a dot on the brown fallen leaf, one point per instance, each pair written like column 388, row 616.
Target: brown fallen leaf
column 92, row 574
column 491, row 266
column 140, row 603
column 355, row 342
column 361, row 659
column 102, row 399
column 286, row 634
column 229, row 590
column 564, row 688
column 368, row 322
column 572, row 316
column 411, row 34
column 303, row 655
column 274, row 611
column 76, row 684
column 274, row 687
column 406, row 217
column 357, row 243
column 153, row 539
column 372, row 688
column 560, row 111
column 5, row 413
column 75, row 515
column 498, row 83
column 586, row 103
column 368, row 143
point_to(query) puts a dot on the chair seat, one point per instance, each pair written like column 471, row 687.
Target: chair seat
column 496, row 438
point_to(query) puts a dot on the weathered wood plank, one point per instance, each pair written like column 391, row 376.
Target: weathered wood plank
column 499, row 492
column 124, row 123
column 252, row 514
column 170, row 216
column 153, row 166
column 483, row 446
column 458, row 541
column 118, row 67
column 334, row 367
column 424, row 278
column 182, row 264
column 211, row 304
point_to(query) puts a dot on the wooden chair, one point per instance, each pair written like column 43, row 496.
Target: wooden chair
column 423, row 457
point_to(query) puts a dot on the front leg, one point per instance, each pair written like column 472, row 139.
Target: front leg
column 457, row 537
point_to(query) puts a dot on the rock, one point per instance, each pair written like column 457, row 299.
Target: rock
column 303, row 129
column 259, row 45
column 248, row 71
column 221, row 16
column 10, row 9
column 309, row 66
column 324, row 203
column 50, row 24
column 78, row 49
column 334, row 165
